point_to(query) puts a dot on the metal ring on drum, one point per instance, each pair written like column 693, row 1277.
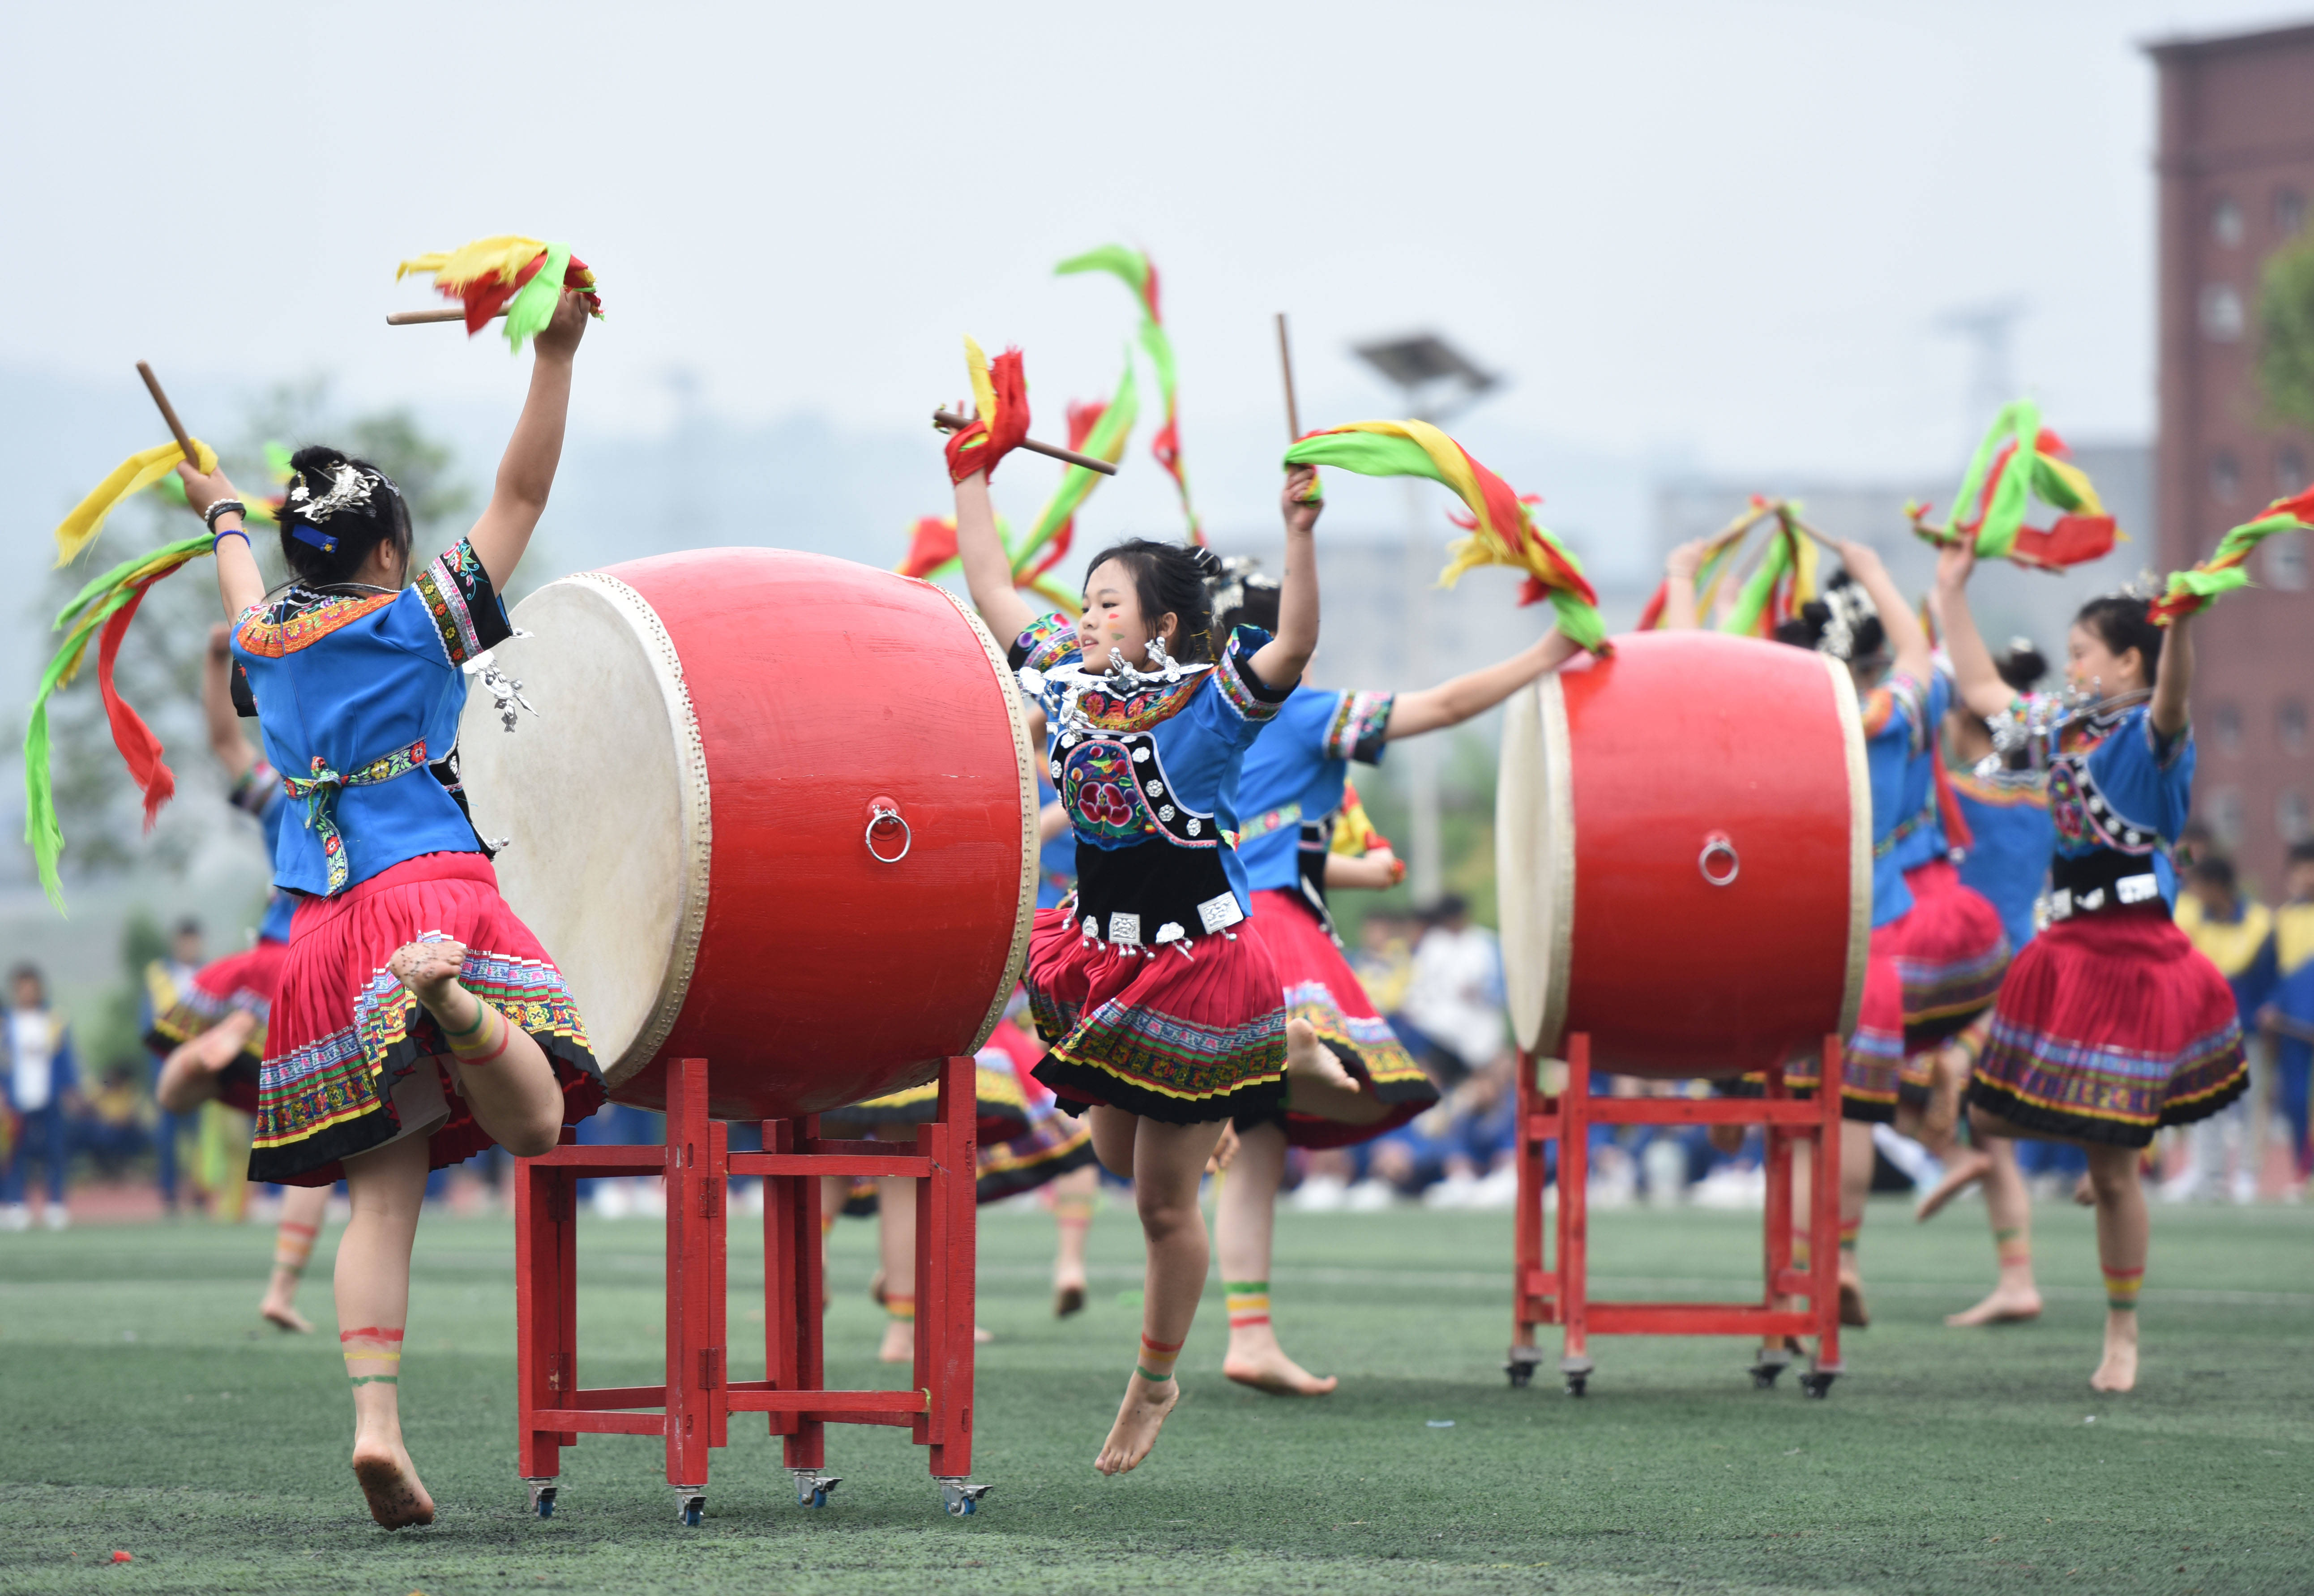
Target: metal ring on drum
column 1718, row 845
column 682, row 815
column 884, row 812
column 1679, row 964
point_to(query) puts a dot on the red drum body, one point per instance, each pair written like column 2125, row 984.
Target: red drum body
column 775, row 810
column 1684, row 839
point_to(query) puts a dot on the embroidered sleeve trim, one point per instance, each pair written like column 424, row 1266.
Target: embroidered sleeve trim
column 271, row 634
column 466, row 609
column 1049, row 641
column 1241, row 689
column 1898, row 694
column 1360, row 726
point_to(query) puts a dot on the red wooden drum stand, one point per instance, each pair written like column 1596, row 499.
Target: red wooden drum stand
column 1558, row 1291
column 1684, row 856
column 696, row 1403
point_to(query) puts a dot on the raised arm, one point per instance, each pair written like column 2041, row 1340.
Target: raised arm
column 526, row 470
column 1905, row 638
column 1979, row 683
column 1451, row 703
column 987, row 569
column 227, row 739
column 1279, row 662
column 1375, row 870
column 240, row 584
column 1680, row 567
column 2173, row 679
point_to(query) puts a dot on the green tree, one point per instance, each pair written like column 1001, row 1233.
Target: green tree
column 2286, row 333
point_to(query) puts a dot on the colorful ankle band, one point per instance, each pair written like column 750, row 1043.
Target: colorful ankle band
column 1849, row 1229
column 2012, row 1247
column 1249, row 1302
column 2121, row 1286
column 900, row 1307
column 1157, row 1359
column 373, row 1379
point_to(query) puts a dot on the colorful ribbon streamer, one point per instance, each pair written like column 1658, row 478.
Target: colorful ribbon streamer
column 2190, row 591
column 132, row 476
column 1994, row 498
column 108, row 603
column 1785, row 581
column 1134, row 270
column 1502, row 530
column 525, row 276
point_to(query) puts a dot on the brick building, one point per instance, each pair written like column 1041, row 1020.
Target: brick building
column 2236, row 169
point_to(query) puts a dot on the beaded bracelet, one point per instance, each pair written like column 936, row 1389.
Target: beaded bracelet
column 223, row 506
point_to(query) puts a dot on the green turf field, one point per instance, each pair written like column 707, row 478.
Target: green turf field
column 139, row 1410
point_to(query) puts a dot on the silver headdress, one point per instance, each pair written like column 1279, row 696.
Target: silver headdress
column 350, row 486
column 1848, row 608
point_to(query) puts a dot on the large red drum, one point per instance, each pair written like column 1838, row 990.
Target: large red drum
column 1683, row 845
column 775, row 810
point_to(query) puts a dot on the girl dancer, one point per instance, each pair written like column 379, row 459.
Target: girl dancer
column 417, row 1021
column 1163, row 1018
column 2006, row 808
column 1293, row 784
column 2111, row 1025
column 231, row 996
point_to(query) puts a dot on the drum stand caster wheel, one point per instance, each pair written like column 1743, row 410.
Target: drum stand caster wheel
column 1770, row 1366
column 959, row 1498
column 1817, row 1382
column 690, row 1505
column 541, row 1498
column 1520, row 1366
column 1577, row 1372
column 813, row 1487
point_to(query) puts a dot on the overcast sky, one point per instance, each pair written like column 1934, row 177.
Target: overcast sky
column 1698, row 230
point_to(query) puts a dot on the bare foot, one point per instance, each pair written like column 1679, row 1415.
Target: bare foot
column 2118, row 1372
column 1224, row 1151
column 1851, row 1302
column 276, row 1311
column 1308, row 1060
column 899, row 1342
column 2084, row 1194
column 390, row 1480
column 2007, row 1305
column 1964, row 1170
column 429, row 971
column 1139, row 1417
column 1258, row 1361
column 981, row 1338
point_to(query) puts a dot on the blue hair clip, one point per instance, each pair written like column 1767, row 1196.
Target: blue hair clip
column 327, row 543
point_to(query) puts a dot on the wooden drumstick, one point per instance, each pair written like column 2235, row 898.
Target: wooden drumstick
column 448, row 312
column 169, row 414
column 1285, row 363
column 950, row 421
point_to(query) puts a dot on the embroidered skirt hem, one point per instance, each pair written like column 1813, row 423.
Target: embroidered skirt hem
column 1184, row 1034
column 343, row 1032
column 2111, row 1026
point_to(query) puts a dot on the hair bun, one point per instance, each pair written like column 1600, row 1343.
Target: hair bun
column 1208, row 563
column 2020, row 665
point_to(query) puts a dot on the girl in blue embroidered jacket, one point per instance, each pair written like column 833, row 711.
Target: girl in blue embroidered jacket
column 2110, row 1024
column 1159, row 1018
column 353, row 674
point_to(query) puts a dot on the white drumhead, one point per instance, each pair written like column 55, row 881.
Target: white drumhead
column 1534, row 862
column 601, row 798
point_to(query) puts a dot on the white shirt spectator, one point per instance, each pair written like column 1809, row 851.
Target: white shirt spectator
column 32, row 1037
column 1456, row 993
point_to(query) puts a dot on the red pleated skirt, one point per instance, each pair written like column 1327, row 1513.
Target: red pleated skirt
column 343, row 1032
column 1321, row 988
column 243, row 982
column 1953, row 953
column 1186, row 1033
column 1872, row 1063
column 2110, row 1025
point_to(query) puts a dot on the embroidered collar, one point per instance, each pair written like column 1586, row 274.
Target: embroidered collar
column 302, row 616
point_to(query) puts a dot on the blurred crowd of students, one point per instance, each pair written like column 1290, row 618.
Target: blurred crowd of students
column 1438, row 978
